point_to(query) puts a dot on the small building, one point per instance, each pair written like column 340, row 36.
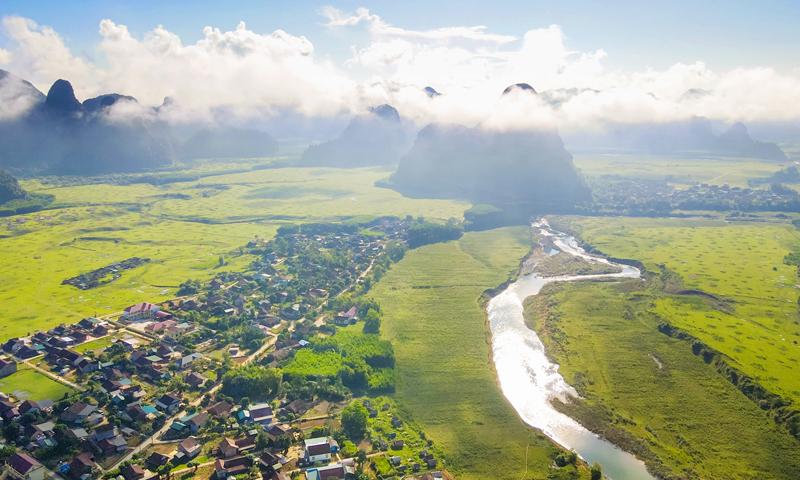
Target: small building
column 225, row 467
column 25, row 467
column 189, row 447
column 7, row 367
column 274, row 431
column 169, row 402
column 346, row 317
column 262, row 414
column 77, row 413
column 317, row 449
column 82, row 464
column 228, row 448
column 219, row 409
column 156, row 460
column 330, row 472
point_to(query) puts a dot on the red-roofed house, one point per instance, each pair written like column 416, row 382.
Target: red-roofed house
column 141, row 310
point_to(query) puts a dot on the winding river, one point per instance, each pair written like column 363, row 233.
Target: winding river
column 529, row 380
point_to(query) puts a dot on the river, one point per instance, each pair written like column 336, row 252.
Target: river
column 529, row 380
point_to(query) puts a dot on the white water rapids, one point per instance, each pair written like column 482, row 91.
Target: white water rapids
column 529, row 380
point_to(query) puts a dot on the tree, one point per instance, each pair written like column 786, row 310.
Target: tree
column 372, row 322
column 354, row 421
column 597, row 471
column 193, row 464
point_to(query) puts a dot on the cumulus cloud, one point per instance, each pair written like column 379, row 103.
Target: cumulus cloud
column 245, row 75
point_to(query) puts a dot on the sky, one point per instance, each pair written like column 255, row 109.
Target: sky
column 629, row 61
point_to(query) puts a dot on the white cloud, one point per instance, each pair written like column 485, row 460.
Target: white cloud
column 378, row 27
column 245, row 75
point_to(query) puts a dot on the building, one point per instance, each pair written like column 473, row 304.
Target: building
column 169, row 402
column 189, row 447
column 24, row 467
column 7, row 367
column 225, row 467
column 77, row 413
column 346, row 317
column 317, row 450
column 262, row 414
column 82, row 464
column 337, row 471
column 275, row 431
column 141, row 311
column 228, row 448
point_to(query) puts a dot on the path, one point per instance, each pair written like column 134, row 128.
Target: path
column 726, row 174
column 54, row 376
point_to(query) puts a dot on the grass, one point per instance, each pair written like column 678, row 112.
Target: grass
column 677, row 171
column 445, row 380
column 182, row 238
column 94, row 345
column 739, row 263
column 36, row 385
column 604, row 336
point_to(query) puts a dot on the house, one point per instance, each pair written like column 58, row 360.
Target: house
column 246, row 444
column 132, row 472
column 221, row 408
column 104, row 432
column 112, row 446
column 194, row 379
column 169, row 402
column 317, row 449
column 346, row 317
column 243, row 416
column 140, row 311
column 187, row 360
column 398, row 444
column 175, row 332
column 88, row 366
column 262, row 414
column 275, row 431
column 225, row 467
column 77, row 413
column 228, row 448
column 82, row 464
column 269, row 459
column 24, row 467
column 7, row 367
column 292, row 313
column 156, row 460
column 197, row 422
column 189, row 447
column 337, row 471
column 78, row 434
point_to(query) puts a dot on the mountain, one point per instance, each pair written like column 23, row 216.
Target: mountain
column 689, row 137
column 429, row 91
column 9, row 188
column 529, row 166
column 97, row 104
column 61, row 135
column 228, row 143
column 17, row 95
column 374, row 138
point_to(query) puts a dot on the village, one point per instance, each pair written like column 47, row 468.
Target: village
column 225, row 381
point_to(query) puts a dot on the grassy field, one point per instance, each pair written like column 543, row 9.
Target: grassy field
column 28, row 384
column 606, row 340
column 182, row 237
column 676, row 170
column 741, row 264
column 445, row 380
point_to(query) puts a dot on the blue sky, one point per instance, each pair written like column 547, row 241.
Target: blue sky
column 636, row 34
